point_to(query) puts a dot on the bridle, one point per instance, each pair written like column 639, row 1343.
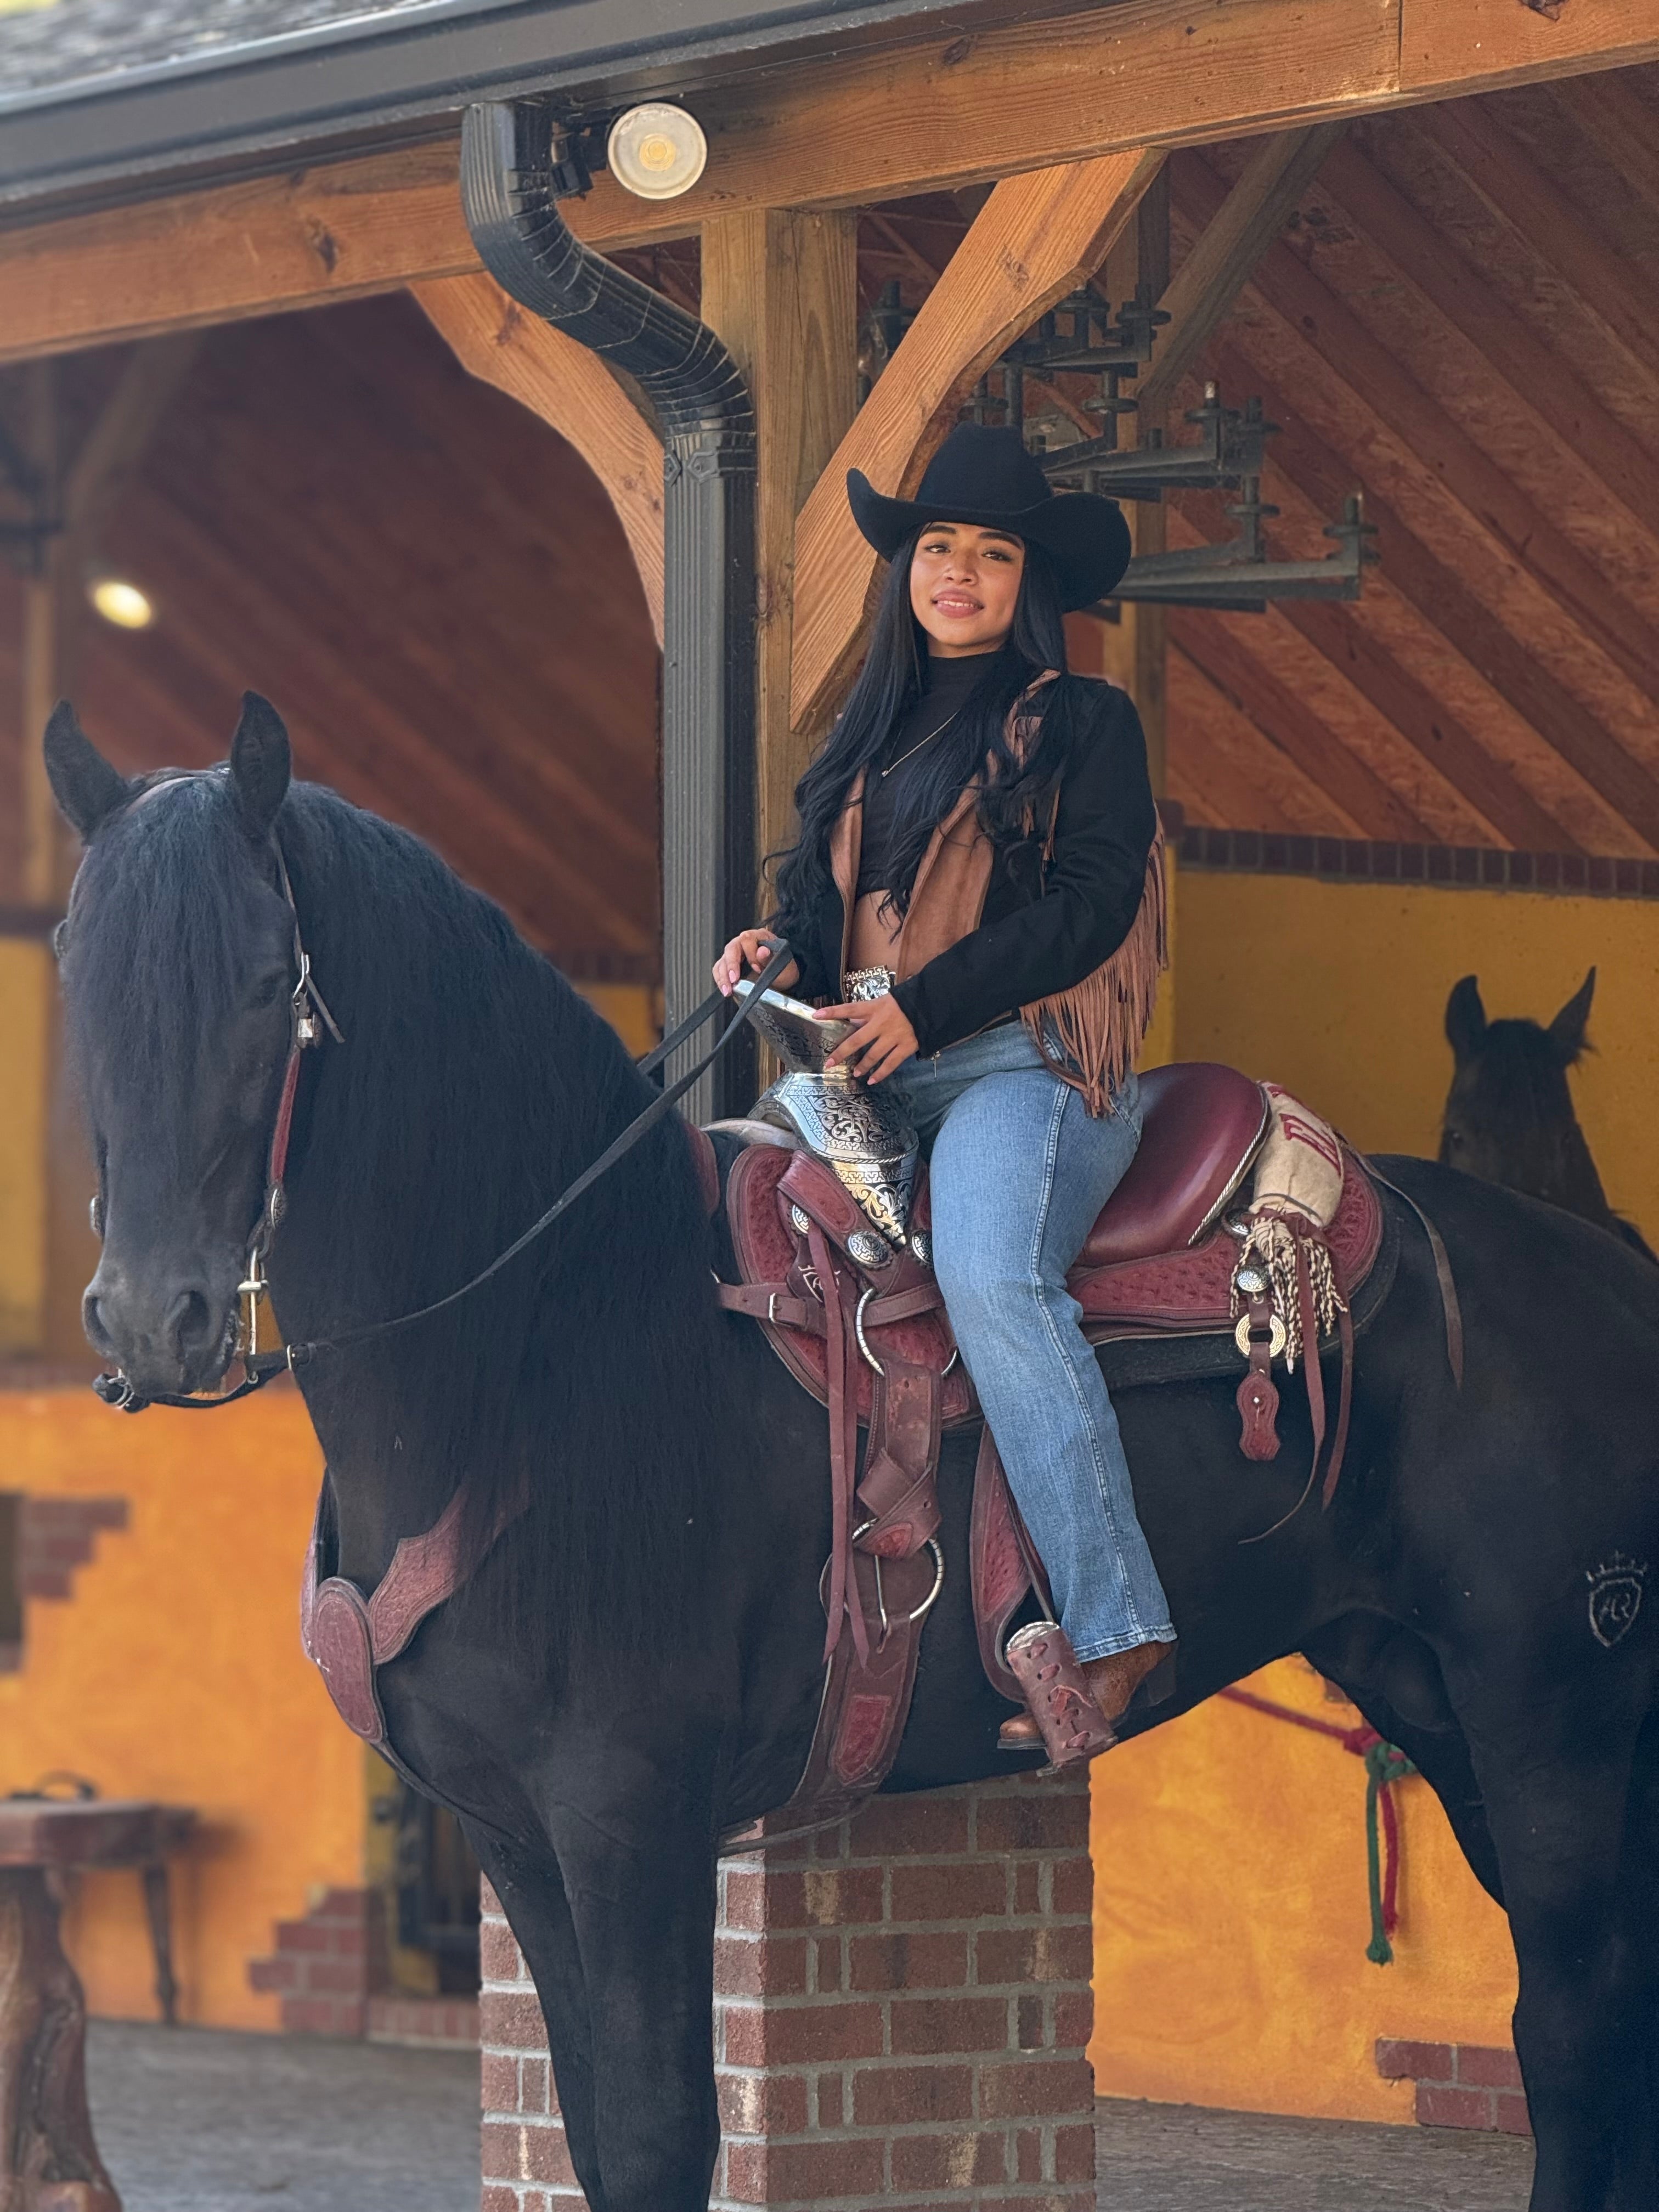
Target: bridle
column 308, row 1016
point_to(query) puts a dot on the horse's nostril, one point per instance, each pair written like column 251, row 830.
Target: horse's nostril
column 189, row 1324
column 92, row 1320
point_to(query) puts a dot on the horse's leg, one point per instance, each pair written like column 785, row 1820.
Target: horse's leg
column 532, row 1895
column 1558, row 1776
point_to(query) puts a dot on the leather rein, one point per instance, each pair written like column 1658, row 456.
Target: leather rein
column 308, row 1014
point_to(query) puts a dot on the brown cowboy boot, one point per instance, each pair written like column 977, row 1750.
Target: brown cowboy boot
column 1112, row 1682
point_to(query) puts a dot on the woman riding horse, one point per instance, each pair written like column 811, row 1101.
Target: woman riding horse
column 978, row 887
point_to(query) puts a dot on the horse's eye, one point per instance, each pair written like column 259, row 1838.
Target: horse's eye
column 1454, row 1137
column 270, row 990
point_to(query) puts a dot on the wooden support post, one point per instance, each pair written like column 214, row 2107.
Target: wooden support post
column 570, row 388
column 1036, row 239
column 780, row 286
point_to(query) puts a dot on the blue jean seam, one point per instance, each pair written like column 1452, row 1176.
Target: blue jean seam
column 1063, row 1097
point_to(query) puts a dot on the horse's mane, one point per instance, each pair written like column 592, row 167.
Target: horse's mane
column 473, row 1083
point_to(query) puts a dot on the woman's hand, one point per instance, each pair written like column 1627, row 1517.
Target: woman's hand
column 751, row 949
column 882, row 1040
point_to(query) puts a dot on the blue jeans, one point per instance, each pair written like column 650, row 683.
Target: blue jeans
column 1019, row 1171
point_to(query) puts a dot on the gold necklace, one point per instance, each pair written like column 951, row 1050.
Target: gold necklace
column 920, row 743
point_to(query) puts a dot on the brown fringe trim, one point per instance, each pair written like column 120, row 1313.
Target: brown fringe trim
column 1098, row 1024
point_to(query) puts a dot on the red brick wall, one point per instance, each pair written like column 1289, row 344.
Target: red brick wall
column 902, row 2005
column 327, row 1964
column 1459, row 2085
column 55, row 1535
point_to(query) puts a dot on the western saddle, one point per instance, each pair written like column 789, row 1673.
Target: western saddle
column 860, row 1322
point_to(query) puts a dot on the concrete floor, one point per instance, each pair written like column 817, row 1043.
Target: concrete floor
column 190, row 2120
column 197, row 2120
column 1177, row 2158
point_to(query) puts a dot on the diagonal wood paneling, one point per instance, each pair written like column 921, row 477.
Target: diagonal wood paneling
column 1462, row 319
column 432, row 587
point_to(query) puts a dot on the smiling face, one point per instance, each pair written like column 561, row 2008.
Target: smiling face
column 964, row 587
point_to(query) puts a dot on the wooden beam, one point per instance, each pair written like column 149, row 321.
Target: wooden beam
column 1287, row 721
column 1467, row 474
column 1620, row 123
column 781, row 288
column 1469, row 627
column 1507, row 178
column 1449, row 46
column 1543, row 379
column 837, row 130
column 1219, row 267
column 1035, row 238
column 568, row 386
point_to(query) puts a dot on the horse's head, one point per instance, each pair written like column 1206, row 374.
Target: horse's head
column 177, row 967
column 1509, row 1115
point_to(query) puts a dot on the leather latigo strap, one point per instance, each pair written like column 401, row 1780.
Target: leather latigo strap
column 864, row 1706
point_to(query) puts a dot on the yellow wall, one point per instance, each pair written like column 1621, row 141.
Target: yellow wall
column 174, row 1671
column 1231, row 1914
column 27, row 984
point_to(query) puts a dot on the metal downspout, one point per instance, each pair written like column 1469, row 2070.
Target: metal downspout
column 510, row 191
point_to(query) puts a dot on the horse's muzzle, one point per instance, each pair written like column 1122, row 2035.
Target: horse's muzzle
column 173, row 1333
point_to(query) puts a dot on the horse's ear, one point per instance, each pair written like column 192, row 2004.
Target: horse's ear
column 1466, row 1020
column 1567, row 1030
column 85, row 786
column 260, row 765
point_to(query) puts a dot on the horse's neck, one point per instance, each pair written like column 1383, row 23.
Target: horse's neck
column 1580, row 1184
column 382, row 1223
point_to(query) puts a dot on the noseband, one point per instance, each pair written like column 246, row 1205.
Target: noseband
column 308, row 1014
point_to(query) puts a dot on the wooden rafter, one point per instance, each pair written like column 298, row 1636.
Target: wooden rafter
column 837, row 130
column 1468, row 475
column 1621, row 123
column 488, row 829
column 1286, row 721
column 1217, row 269
column 567, row 385
column 1228, row 773
column 1035, row 238
column 1443, row 600
column 1615, row 288
column 1541, row 379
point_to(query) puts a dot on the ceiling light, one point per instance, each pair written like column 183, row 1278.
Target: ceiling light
column 121, row 602
column 656, row 151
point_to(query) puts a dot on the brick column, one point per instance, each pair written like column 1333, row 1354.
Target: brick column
column 902, row 2007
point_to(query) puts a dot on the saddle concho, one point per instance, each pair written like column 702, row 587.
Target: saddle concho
column 864, row 1137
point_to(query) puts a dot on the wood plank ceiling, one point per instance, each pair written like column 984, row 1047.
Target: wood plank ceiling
column 430, row 584
column 1461, row 318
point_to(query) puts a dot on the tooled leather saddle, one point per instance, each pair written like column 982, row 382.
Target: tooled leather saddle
column 860, row 1322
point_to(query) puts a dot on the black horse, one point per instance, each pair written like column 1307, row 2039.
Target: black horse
column 635, row 1663
column 1509, row 1115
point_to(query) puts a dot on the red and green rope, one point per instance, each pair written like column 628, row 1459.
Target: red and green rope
column 1385, row 1764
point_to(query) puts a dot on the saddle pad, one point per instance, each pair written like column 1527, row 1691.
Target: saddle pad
column 765, row 1252
column 1192, row 1291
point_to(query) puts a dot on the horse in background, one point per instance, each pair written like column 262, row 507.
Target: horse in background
column 1509, row 1115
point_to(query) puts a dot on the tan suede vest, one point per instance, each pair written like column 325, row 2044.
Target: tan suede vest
column 1090, row 1034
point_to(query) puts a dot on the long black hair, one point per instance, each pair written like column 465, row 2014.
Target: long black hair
column 1013, row 801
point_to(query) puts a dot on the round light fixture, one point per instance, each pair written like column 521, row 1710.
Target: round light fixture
column 121, row 602
column 656, row 151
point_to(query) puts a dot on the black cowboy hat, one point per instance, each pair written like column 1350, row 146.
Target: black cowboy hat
column 985, row 476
